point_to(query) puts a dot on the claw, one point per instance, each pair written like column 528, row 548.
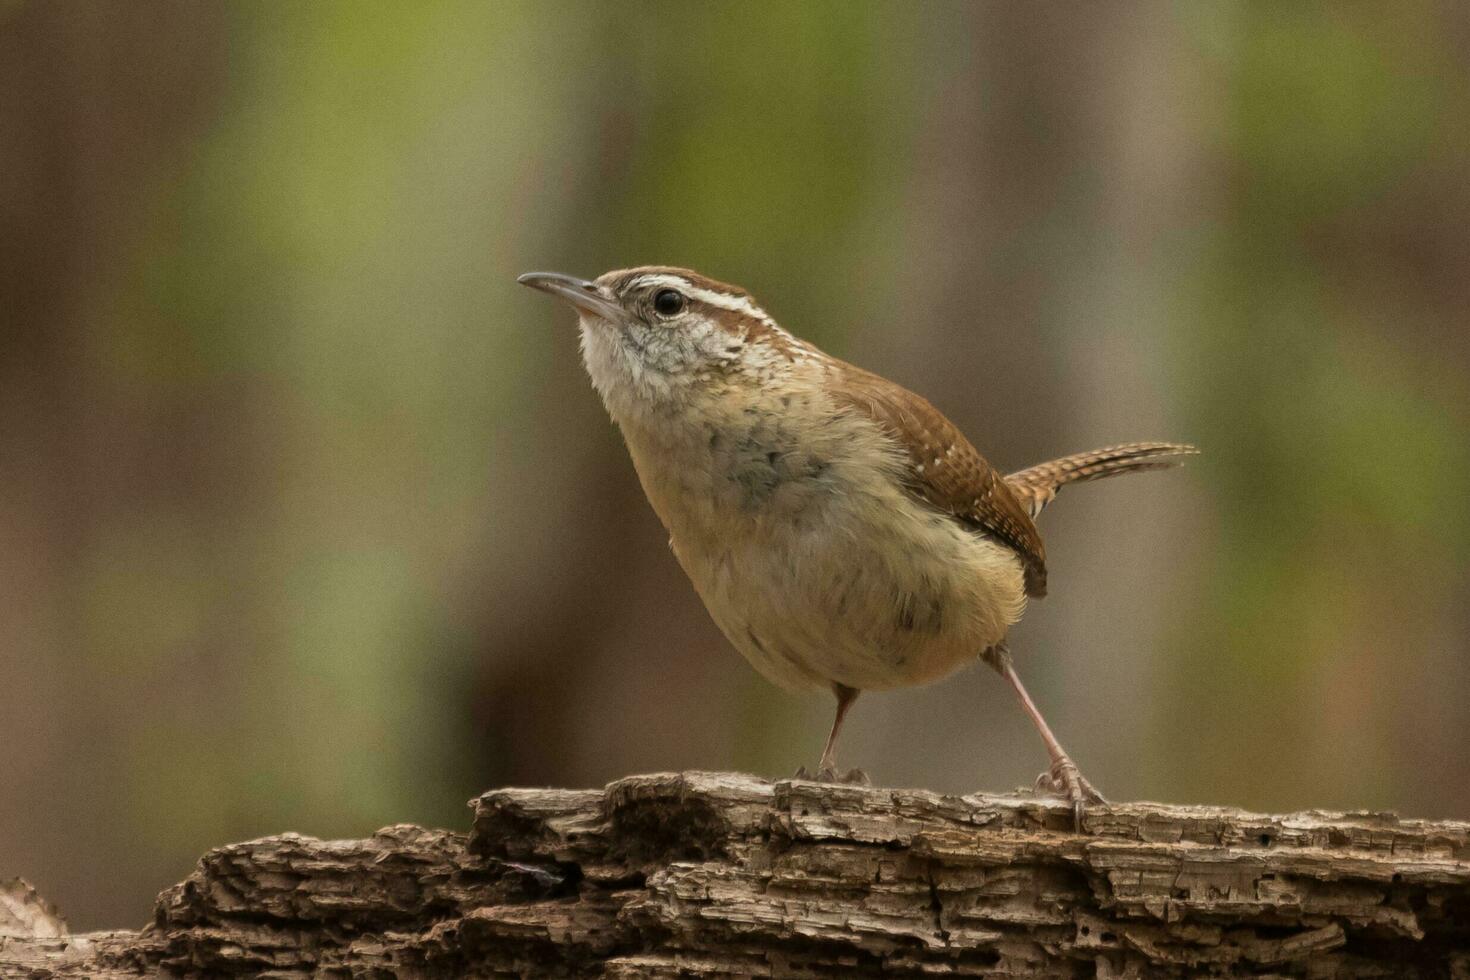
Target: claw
column 826, row 774
column 1062, row 779
column 1066, row 781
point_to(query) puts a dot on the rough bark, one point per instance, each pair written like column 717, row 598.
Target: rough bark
column 710, row 874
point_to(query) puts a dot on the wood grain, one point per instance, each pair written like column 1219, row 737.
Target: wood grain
column 715, row 874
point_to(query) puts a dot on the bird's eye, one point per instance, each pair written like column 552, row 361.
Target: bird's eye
column 668, row 302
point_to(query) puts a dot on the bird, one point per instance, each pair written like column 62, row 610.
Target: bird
column 841, row 531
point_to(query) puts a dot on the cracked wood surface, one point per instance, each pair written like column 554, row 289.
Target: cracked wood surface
column 713, row 874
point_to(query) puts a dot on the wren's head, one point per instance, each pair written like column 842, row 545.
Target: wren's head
column 659, row 334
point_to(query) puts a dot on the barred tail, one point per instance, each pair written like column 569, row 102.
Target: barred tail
column 1037, row 485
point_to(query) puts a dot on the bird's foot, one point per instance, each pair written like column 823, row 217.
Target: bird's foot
column 1065, row 780
column 827, row 774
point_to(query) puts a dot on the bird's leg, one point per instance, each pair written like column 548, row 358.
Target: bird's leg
column 1063, row 778
column 845, row 697
column 827, row 768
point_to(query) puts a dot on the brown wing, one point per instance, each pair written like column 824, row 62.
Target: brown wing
column 945, row 470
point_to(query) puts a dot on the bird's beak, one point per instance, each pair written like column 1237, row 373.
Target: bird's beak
column 586, row 296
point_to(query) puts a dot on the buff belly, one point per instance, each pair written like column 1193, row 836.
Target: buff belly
column 855, row 609
column 823, row 576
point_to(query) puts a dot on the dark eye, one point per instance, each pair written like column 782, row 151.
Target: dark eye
column 668, row 302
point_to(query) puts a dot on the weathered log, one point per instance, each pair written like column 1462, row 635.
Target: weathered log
column 710, row 874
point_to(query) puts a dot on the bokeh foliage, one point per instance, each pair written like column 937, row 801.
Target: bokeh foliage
column 310, row 519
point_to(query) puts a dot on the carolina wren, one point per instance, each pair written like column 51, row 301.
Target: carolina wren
column 842, row 533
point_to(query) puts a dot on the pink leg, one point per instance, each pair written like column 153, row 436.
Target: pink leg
column 1063, row 778
column 827, row 768
column 845, row 697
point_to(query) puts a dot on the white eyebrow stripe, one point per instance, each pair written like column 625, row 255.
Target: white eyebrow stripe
column 661, row 279
column 735, row 304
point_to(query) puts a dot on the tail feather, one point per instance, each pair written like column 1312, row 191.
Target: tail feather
column 1037, row 485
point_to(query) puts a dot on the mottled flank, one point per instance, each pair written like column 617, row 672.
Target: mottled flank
column 946, row 470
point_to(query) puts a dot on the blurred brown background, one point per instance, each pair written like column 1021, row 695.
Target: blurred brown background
column 310, row 520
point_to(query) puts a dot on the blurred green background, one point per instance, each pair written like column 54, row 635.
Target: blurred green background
column 309, row 519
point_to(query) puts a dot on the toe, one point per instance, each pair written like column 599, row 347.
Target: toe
column 1064, row 780
column 827, row 774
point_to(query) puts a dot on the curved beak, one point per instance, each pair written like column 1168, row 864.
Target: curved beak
column 586, row 296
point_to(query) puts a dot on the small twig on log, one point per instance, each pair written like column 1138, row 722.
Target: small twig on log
column 709, row 874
